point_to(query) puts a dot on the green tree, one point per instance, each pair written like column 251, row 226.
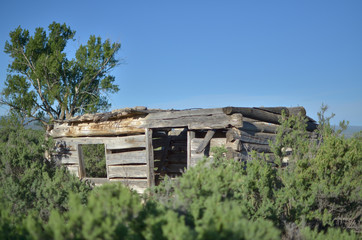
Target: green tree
column 44, row 84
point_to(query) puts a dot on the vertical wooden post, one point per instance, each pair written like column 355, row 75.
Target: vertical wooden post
column 81, row 170
column 106, row 153
column 190, row 136
column 150, row 158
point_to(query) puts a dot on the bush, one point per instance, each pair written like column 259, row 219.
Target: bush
column 110, row 213
column 31, row 185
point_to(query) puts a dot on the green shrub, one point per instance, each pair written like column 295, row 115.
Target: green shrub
column 94, row 160
column 331, row 234
column 110, row 213
column 31, row 185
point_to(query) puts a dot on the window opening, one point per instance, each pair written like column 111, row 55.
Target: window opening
column 94, row 158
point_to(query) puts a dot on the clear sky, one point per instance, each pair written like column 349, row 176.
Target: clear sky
column 189, row 54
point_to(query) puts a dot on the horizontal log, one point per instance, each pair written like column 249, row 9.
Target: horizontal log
column 124, row 126
column 297, row 111
column 132, row 157
column 275, row 110
column 115, row 114
column 257, row 138
column 71, row 158
column 127, row 171
column 288, row 111
column 182, row 113
column 193, row 121
column 259, row 127
column 136, row 141
column 254, row 113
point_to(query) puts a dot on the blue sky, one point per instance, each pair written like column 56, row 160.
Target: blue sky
column 189, row 54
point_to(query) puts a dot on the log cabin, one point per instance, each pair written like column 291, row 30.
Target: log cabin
column 143, row 145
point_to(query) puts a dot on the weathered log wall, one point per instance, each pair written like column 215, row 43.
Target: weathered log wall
column 143, row 146
column 125, row 158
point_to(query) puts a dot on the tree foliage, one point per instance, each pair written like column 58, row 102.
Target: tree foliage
column 43, row 83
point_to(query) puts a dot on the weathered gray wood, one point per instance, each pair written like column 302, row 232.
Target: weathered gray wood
column 190, row 137
column 206, row 140
column 132, row 157
column 82, row 172
column 136, row 141
column 127, row 171
column 127, row 125
column 257, row 138
column 214, row 142
column 233, row 143
column 149, row 159
column 195, row 142
column 259, row 127
column 73, row 169
column 296, row 111
column 172, row 114
column 67, row 158
column 276, row 110
column 193, row 121
column 253, row 113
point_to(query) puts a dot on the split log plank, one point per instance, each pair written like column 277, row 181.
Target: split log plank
column 136, row 141
column 132, row 157
column 253, row 113
column 183, row 113
column 131, row 125
column 257, row 138
column 68, row 158
column 205, row 141
column 259, row 127
column 208, row 121
column 127, row 171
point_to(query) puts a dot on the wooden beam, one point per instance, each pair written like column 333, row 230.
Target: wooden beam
column 150, row 159
column 206, row 141
column 254, row 113
column 190, row 136
column 82, row 172
column 123, row 126
column 131, row 157
column 126, row 142
column 127, row 171
column 194, row 119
